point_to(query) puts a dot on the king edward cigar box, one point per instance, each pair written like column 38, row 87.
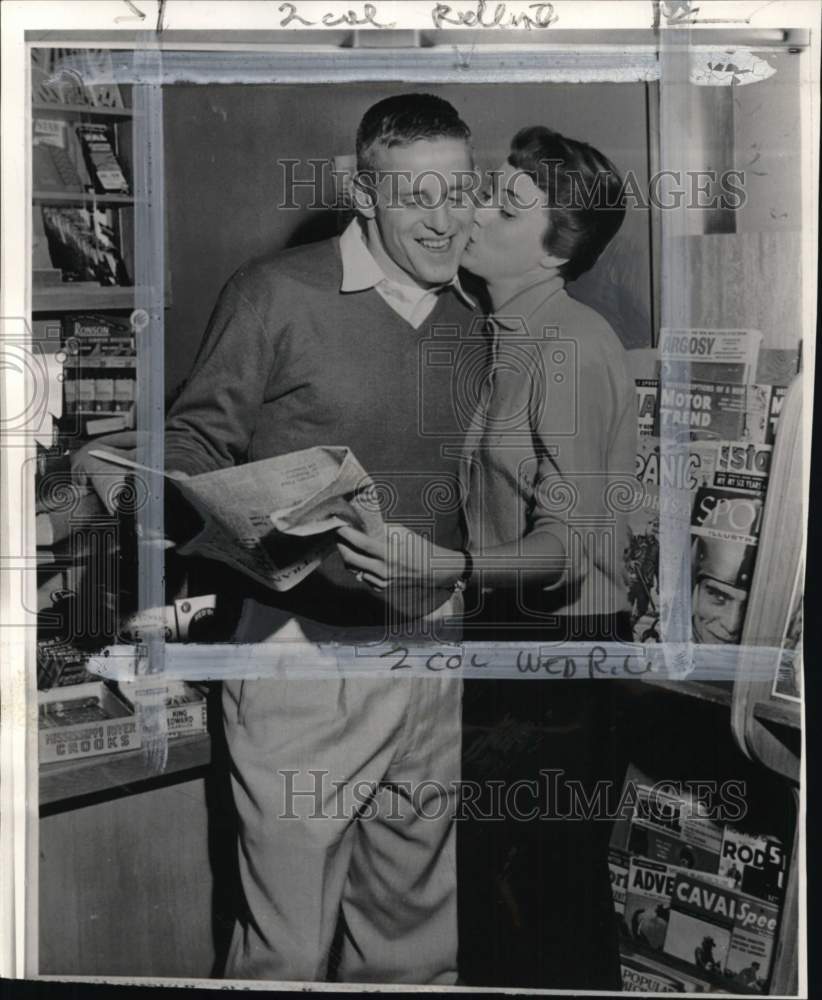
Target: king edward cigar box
column 185, row 704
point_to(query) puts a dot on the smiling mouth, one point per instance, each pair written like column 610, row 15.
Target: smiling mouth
column 718, row 638
column 439, row 245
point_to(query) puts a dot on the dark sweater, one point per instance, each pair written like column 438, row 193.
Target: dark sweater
column 289, row 362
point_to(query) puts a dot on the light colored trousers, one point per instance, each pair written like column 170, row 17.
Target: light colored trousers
column 346, row 790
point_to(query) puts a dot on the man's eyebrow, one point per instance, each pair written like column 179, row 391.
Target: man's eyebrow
column 459, row 181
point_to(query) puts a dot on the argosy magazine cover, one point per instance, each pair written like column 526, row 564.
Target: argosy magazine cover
column 399, row 400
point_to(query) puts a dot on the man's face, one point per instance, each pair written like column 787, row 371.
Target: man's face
column 718, row 612
column 422, row 214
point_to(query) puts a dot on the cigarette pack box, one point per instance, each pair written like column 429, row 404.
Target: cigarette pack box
column 124, row 393
column 104, row 394
column 84, row 721
column 185, row 704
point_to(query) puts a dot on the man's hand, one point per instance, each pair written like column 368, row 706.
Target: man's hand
column 106, row 478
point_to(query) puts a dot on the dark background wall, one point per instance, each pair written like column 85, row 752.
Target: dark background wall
column 223, row 182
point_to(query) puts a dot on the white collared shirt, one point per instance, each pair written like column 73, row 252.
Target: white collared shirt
column 361, row 271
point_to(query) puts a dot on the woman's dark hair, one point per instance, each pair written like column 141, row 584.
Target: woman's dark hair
column 403, row 119
column 585, row 199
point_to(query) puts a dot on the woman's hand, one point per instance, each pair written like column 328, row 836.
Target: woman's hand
column 398, row 557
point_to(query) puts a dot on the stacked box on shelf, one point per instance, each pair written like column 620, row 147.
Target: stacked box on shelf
column 58, row 159
column 60, row 504
column 60, row 664
column 83, row 226
column 82, row 206
column 101, row 161
column 81, row 561
column 84, row 244
column 85, row 721
column 54, row 84
column 100, row 387
column 185, row 704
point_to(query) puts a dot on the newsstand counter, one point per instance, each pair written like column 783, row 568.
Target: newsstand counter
column 126, row 883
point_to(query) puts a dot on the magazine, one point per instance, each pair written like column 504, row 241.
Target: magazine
column 787, row 682
column 754, row 863
column 618, row 865
column 700, row 923
column 752, row 942
column 274, row 520
column 709, row 355
column 721, row 932
column 712, row 411
column 669, row 829
column 641, row 974
column 715, row 484
column 648, row 901
column 701, row 900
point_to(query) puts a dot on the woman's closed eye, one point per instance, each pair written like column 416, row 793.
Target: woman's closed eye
column 507, row 205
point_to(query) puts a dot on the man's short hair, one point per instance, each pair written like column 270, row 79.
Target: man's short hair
column 403, row 119
column 585, row 198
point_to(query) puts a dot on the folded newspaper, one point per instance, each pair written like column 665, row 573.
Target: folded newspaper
column 275, row 520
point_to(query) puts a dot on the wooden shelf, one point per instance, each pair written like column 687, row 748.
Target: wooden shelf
column 118, row 361
column 67, row 297
column 98, row 413
column 42, row 109
column 80, row 198
column 786, row 714
column 61, row 783
column 82, row 297
column 699, row 690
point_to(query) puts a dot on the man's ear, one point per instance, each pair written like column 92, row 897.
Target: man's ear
column 364, row 194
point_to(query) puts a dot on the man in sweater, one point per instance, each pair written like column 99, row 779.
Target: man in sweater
column 346, row 788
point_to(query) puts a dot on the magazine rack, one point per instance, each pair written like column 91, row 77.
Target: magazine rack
column 764, row 706
column 765, row 722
